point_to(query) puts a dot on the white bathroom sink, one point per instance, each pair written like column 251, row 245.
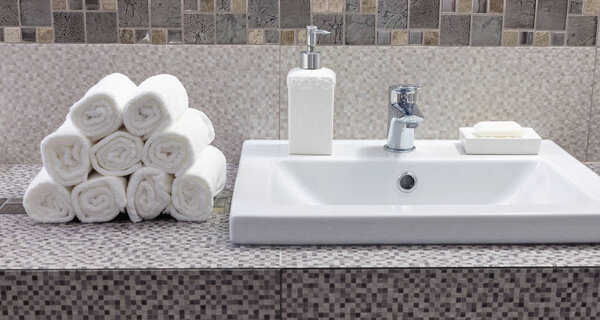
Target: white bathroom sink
column 353, row 197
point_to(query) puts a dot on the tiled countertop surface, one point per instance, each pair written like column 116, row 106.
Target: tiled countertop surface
column 165, row 243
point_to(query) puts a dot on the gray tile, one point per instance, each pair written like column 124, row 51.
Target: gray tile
column 76, row 4
column 1, row 35
column 142, row 36
column 455, row 30
column 576, row 6
column 333, row 23
column 92, row 4
column 557, row 39
column 12, row 208
column 230, row 28
column 352, row 6
column 223, row 5
column 69, row 27
column 551, row 14
column 36, row 13
column 2, row 201
column 9, row 13
column 263, row 13
column 479, row 6
column 28, row 34
column 424, row 14
column 190, row 5
column 174, row 36
column 448, row 5
column 384, row 37
column 294, row 13
column 519, row 13
column 101, row 27
column 486, row 30
column 165, row 13
column 199, row 28
column 392, row 14
column 582, row 30
column 360, row 29
column 133, row 13
column 415, row 37
column 271, row 36
column 526, row 38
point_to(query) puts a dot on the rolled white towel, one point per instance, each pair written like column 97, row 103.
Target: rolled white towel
column 194, row 190
column 47, row 201
column 118, row 154
column 100, row 111
column 99, row 199
column 65, row 154
column 159, row 101
column 176, row 148
column 148, row 193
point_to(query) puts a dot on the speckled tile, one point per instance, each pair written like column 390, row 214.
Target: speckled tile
column 9, row 13
column 519, row 14
column 453, row 96
column 69, row 27
column 133, row 13
column 352, row 5
column 581, row 30
column 140, row 294
column 69, row 74
column 199, row 28
column 541, row 293
column 392, row 14
column 455, row 30
column 263, row 13
column 333, row 23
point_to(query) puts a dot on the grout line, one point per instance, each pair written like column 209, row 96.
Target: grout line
column 589, row 120
column 280, row 289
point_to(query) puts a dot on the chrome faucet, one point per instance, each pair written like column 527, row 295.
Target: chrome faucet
column 403, row 117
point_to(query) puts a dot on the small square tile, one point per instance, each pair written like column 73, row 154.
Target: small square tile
column 223, row 5
column 392, row 14
column 551, row 14
column 256, row 36
column 424, row 14
column 496, row 6
column 133, row 14
column 360, row 29
column 159, row 36
column 455, row 30
column 431, row 38
column 286, row 37
column 191, row 5
column 581, row 30
column 294, row 14
column 69, row 27
column 486, row 30
column 510, row 38
column 92, row 4
column 448, row 5
column 12, row 34
column 109, row 5
column 59, row 5
column 465, row 6
column 126, row 36
column 142, row 36
column 28, row 35
column 368, row 6
column 199, row 28
column 271, row 36
column 45, row 35
column 352, row 6
column 207, row 5
column 525, row 38
column 174, row 36
column 333, row 23
column 76, row 4
column 319, row 5
column 591, row 6
column 239, row 6
column 384, row 37
column 301, row 37
column 541, row 39
column 479, row 6
column 263, row 14
column 35, row 13
column 165, row 13
column 519, row 14
column 230, row 28
column 336, row 6
column 576, row 6
column 415, row 37
column 399, row 37
column 101, row 27
column 557, row 39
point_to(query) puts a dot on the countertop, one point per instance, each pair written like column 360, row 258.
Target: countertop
column 166, row 244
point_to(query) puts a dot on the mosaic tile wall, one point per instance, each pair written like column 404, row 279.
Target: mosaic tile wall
column 352, row 22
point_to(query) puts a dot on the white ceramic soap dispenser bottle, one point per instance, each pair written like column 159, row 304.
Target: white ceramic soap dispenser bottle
column 310, row 101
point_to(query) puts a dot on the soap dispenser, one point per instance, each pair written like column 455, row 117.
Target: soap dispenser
column 310, row 101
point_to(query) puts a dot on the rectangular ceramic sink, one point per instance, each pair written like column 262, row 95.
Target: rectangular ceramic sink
column 354, row 196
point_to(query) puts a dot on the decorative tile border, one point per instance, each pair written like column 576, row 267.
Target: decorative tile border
column 352, row 22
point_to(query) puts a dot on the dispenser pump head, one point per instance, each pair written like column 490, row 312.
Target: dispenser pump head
column 311, row 59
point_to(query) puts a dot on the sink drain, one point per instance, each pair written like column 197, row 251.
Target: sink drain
column 407, row 182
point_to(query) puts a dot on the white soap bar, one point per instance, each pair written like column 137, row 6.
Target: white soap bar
column 529, row 143
column 498, row 129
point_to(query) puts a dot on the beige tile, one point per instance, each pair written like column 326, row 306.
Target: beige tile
column 541, row 38
column 159, row 36
column 301, row 36
column 452, row 95
column 207, row 5
column 12, row 35
column 126, row 36
column 59, row 5
column 238, row 6
column 286, row 37
column 591, row 6
column 109, row 5
column 45, row 35
column 336, row 5
column 464, row 6
column 255, row 36
column 431, row 38
column 319, row 5
column 510, row 38
column 496, row 6
column 368, row 6
column 399, row 37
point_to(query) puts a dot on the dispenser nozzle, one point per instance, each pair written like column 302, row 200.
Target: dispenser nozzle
column 311, row 37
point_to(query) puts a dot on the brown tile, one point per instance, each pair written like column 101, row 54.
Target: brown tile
column 455, row 29
column 59, row 5
column 510, row 38
column 319, row 5
column 399, row 37
column 496, row 6
column 336, row 6
column 207, row 5
column 159, row 36
column 431, row 38
column 368, row 6
column 126, row 36
column 286, row 37
column 541, row 39
column 238, row 6
column 45, row 35
column 424, row 14
column 109, row 5
column 465, row 6
column 591, row 6
column 256, row 36
column 301, row 37
column 12, row 35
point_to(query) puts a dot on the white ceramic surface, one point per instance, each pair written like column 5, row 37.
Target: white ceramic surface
column 352, row 196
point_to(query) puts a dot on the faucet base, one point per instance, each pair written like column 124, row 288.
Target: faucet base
column 386, row 148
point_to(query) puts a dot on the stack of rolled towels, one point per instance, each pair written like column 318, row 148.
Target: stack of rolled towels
column 127, row 148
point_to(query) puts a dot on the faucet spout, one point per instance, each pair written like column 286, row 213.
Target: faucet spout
column 403, row 117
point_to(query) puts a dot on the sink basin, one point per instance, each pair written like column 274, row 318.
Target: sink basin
column 362, row 194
